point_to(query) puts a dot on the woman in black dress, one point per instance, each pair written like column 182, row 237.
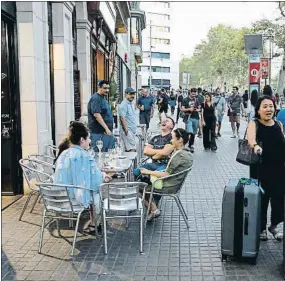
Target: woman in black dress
column 266, row 135
column 209, row 121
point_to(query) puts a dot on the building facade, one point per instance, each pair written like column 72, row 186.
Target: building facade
column 53, row 55
column 158, row 60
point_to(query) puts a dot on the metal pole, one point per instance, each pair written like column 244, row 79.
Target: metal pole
column 150, row 82
column 270, row 58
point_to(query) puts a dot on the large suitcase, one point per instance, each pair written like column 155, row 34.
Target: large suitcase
column 241, row 220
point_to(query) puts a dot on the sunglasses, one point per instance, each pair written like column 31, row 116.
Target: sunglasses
column 179, row 133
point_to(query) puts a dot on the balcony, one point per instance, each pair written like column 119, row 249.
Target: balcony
column 123, row 13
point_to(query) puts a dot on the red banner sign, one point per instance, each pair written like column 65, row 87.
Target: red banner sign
column 254, row 72
column 264, row 67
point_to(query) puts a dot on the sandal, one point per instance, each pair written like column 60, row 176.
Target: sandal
column 263, row 236
column 153, row 215
column 276, row 234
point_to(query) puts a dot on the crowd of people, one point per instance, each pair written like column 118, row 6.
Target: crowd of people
column 171, row 150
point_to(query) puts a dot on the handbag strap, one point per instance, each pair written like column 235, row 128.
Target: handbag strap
column 256, row 127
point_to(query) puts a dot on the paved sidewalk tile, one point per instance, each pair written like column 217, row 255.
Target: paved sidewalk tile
column 171, row 251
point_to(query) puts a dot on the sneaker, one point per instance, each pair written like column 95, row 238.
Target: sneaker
column 200, row 135
column 219, row 135
column 191, row 149
column 153, row 215
column 233, row 136
column 276, row 234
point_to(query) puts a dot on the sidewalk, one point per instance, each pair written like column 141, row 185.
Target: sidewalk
column 171, row 251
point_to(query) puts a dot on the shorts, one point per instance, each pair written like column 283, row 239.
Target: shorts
column 220, row 117
column 234, row 118
column 163, row 108
column 192, row 126
column 129, row 141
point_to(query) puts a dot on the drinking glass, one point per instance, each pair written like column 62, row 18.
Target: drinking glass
column 99, row 144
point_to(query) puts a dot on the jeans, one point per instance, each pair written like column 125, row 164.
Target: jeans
column 108, row 142
column 149, row 166
column 145, row 118
column 192, row 126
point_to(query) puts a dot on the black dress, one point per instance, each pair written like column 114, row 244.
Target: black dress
column 209, row 140
column 271, row 172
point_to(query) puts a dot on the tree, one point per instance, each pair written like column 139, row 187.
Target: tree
column 218, row 59
column 281, row 6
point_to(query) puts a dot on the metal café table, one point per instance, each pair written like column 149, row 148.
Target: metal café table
column 116, row 164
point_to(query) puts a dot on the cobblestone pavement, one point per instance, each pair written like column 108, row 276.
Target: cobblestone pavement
column 171, row 251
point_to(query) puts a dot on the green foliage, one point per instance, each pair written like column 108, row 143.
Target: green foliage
column 218, row 59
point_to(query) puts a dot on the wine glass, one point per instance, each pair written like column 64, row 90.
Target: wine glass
column 99, row 144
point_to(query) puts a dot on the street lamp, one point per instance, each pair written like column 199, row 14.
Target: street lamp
column 268, row 34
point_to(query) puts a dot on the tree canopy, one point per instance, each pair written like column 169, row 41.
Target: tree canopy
column 219, row 59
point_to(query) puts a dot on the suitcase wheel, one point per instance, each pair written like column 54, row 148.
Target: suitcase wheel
column 224, row 257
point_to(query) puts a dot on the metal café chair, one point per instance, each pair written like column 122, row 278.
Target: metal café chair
column 43, row 159
column 53, row 149
column 33, row 174
column 175, row 195
column 59, row 205
column 122, row 200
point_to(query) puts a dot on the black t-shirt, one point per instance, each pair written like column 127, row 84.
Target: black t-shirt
column 187, row 103
column 165, row 99
column 180, row 99
column 158, row 142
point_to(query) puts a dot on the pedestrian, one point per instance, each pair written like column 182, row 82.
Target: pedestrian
column 265, row 135
column 235, row 106
column 172, row 102
column 100, row 118
column 221, row 107
column 163, row 104
column 209, row 120
column 179, row 100
column 128, row 121
column 191, row 118
column 114, row 108
column 145, row 106
column 75, row 166
column 281, row 118
column 252, row 105
column 267, row 91
column 245, row 99
column 278, row 104
column 201, row 99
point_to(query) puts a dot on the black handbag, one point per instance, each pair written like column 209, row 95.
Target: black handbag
column 246, row 154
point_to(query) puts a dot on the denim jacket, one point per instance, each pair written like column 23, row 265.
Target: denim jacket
column 76, row 167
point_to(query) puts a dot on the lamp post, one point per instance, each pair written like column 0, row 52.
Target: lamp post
column 150, row 78
column 269, row 35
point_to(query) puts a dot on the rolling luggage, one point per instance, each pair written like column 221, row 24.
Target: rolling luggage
column 241, row 220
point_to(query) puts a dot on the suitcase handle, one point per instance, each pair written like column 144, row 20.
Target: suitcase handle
column 246, row 216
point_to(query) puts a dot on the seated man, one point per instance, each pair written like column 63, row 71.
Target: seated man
column 159, row 148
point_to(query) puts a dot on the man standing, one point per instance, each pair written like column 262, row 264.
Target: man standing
column 180, row 100
column 191, row 119
column 200, row 99
column 145, row 105
column 221, row 107
column 100, row 118
column 128, row 121
column 234, row 105
column 163, row 104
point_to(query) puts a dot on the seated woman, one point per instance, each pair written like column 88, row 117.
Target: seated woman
column 180, row 160
column 75, row 166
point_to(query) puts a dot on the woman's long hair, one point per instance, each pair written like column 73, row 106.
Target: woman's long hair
column 254, row 98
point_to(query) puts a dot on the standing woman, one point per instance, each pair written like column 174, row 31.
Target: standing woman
column 253, row 102
column 268, row 138
column 209, row 120
column 278, row 104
